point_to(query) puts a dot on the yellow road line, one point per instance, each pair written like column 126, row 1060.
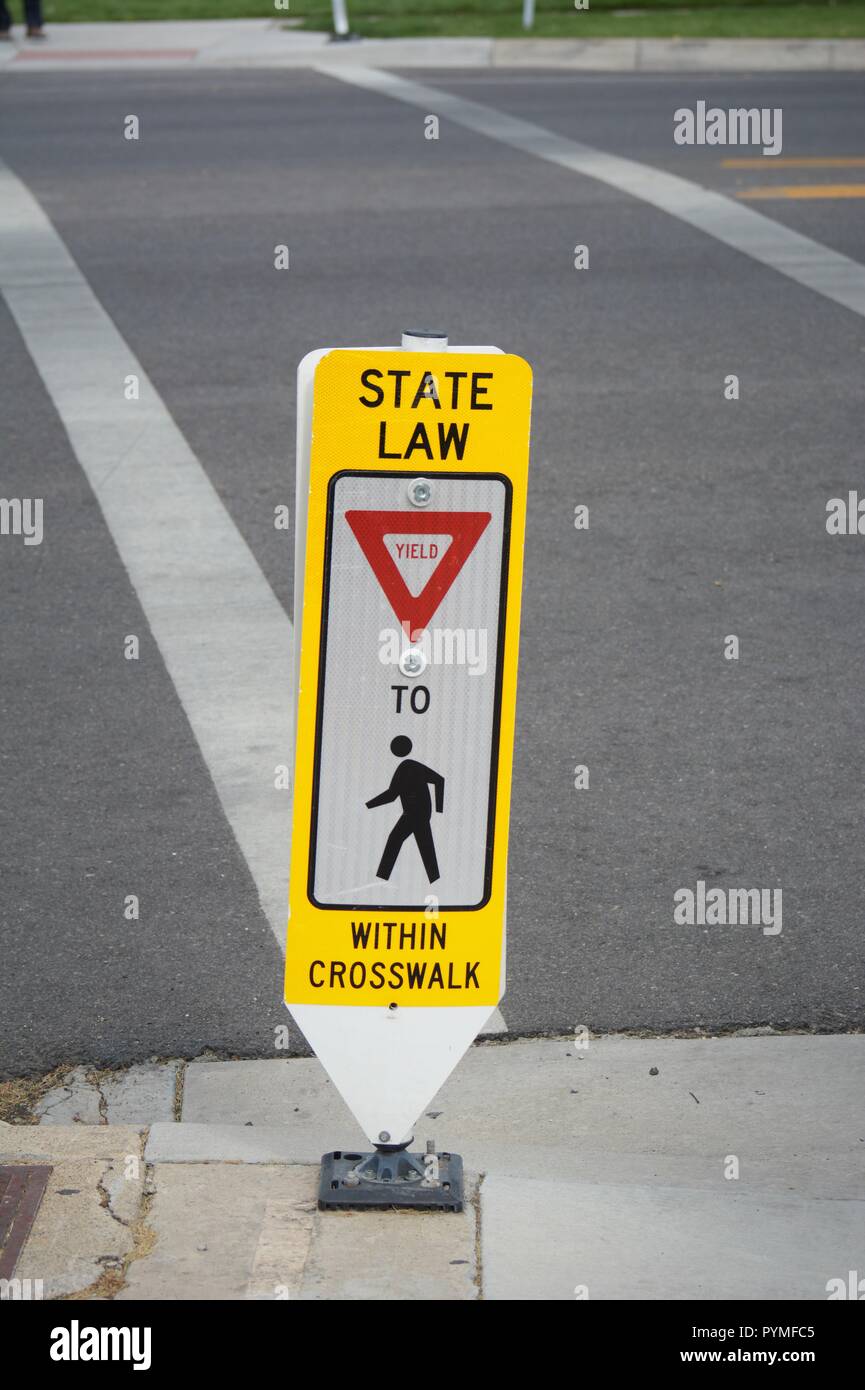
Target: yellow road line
column 806, row 190
column 815, row 162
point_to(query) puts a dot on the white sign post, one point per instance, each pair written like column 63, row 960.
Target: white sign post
column 340, row 19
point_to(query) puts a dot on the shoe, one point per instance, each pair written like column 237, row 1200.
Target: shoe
column 36, row 34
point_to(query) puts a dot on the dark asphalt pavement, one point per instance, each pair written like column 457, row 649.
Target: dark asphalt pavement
column 707, row 518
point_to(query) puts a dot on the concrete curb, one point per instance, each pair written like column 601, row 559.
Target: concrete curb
column 682, row 55
column 668, row 1168
column 266, row 43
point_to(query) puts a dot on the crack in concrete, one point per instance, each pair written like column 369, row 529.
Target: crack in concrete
column 105, row 1195
column 65, row 1095
column 103, row 1103
column 94, row 1077
column 179, row 1083
column 112, row 1281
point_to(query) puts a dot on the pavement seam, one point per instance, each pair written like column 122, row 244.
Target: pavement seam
column 179, row 1083
column 19, row 1095
column 479, row 1259
column 313, row 1227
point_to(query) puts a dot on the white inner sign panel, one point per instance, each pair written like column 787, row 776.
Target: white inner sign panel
column 405, row 765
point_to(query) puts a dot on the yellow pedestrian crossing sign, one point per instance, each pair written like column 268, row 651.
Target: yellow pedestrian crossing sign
column 409, row 626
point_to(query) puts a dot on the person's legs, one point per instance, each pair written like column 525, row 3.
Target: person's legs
column 5, row 18
column 32, row 14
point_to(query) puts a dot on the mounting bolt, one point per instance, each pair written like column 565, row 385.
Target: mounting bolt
column 412, row 662
column 384, row 1137
column 420, row 492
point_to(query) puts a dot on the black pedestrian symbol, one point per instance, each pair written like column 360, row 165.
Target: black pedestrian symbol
column 410, row 783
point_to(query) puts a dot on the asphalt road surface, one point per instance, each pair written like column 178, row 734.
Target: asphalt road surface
column 707, row 518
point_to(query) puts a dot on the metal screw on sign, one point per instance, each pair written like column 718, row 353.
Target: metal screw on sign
column 420, row 492
column 412, row 662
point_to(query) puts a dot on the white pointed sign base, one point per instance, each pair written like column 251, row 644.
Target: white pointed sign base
column 388, row 1063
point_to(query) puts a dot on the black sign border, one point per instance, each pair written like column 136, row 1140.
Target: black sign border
column 497, row 697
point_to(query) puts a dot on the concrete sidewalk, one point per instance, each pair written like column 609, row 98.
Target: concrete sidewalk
column 273, row 43
column 629, row 1168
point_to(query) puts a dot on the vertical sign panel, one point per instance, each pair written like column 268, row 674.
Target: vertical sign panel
column 410, row 629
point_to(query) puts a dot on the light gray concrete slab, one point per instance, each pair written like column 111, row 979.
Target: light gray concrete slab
column 751, row 55
column 55, row 1143
column 226, row 1232
column 790, row 1108
column 273, row 43
column 77, row 1237
column 76, row 1101
column 292, row 1098
column 163, row 35
column 394, row 1255
column 142, row 1095
column 84, row 1231
column 626, row 1168
column 680, row 55
column 547, row 1240
column 765, row 1098
column 607, row 55
column 221, row 1143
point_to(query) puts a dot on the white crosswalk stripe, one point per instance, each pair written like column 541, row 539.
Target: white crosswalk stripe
column 223, row 635
column 807, row 262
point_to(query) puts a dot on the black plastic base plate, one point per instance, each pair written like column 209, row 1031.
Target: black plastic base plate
column 397, row 1184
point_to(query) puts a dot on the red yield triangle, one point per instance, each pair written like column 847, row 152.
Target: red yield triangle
column 370, row 528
